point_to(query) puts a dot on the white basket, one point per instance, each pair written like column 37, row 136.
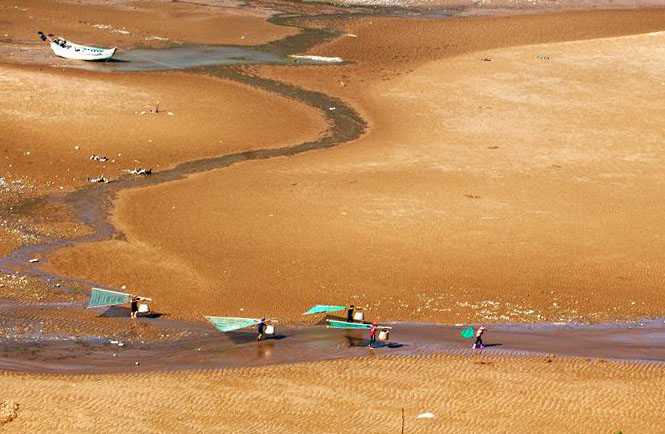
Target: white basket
column 269, row 330
column 384, row 335
column 144, row 308
column 359, row 315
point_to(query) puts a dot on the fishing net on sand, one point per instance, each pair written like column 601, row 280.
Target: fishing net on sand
column 227, row 324
column 319, row 308
column 104, row 297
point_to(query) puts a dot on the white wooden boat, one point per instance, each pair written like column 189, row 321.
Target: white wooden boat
column 69, row 50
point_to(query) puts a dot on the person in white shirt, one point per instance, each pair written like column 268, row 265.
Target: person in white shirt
column 479, row 338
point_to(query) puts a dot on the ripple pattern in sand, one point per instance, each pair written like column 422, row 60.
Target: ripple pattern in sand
column 488, row 394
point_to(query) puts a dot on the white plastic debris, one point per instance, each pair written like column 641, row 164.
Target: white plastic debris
column 33, row 260
column 426, row 416
column 140, row 171
column 321, row 59
column 100, row 179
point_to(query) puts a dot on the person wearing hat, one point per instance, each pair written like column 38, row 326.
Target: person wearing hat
column 479, row 338
column 261, row 328
column 372, row 333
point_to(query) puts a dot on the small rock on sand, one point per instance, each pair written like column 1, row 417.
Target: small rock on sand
column 8, row 411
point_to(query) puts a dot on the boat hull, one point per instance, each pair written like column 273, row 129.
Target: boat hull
column 347, row 325
column 81, row 52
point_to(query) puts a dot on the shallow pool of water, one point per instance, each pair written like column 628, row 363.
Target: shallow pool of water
column 145, row 59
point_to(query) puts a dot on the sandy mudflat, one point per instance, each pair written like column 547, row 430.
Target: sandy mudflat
column 467, row 394
column 511, row 170
column 521, row 188
column 44, row 124
column 131, row 23
column 503, row 7
column 54, row 120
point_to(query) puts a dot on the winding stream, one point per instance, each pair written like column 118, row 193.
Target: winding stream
column 91, row 205
column 204, row 347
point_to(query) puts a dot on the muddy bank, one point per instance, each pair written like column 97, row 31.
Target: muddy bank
column 205, row 348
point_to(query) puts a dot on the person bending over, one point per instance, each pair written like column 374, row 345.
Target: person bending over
column 261, row 326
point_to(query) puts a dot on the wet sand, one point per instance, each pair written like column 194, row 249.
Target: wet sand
column 503, row 7
column 162, row 344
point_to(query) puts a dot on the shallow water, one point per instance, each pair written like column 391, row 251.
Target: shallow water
column 205, row 348
column 186, row 57
column 146, row 59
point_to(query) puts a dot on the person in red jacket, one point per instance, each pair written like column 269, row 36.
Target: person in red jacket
column 372, row 333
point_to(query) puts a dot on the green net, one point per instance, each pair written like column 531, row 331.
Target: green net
column 467, row 333
column 347, row 325
column 104, row 297
column 227, row 323
column 324, row 308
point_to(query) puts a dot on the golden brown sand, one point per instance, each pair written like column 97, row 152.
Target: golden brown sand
column 521, row 188
column 131, row 23
column 467, row 394
column 51, row 135
column 504, row 7
column 527, row 187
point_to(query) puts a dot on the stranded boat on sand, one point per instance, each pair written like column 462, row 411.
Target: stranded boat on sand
column 69, row 50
